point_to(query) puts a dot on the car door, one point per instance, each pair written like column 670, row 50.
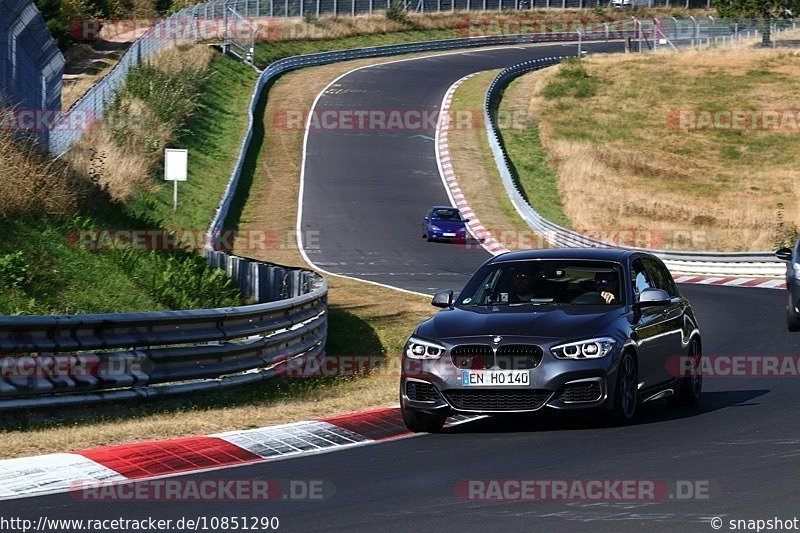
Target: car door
column 649, row 328
column 670, row 316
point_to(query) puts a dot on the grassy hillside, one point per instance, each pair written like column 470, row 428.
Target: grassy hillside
column 113, row 181
column 693, row 150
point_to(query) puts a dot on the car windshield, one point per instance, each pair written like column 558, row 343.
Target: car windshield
column 554, row 282
column 446, row 214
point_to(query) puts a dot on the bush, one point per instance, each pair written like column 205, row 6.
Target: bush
column 572, row 80
column 14, row 271
column 182, row 280
column 397, row 12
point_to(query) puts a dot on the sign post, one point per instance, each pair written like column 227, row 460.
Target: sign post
column 175, row 165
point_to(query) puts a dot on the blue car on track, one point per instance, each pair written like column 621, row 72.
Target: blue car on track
column 444, row 223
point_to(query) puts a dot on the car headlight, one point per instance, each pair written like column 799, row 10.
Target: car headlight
column 588, row 349
column 434, row 227
column 421, row 349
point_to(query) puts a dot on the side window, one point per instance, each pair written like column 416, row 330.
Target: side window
column 640, row 279
column 661, row 277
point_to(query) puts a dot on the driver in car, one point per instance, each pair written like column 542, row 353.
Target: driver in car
column 607, row 284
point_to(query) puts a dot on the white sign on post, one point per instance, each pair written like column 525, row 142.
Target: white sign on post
column 175, row 165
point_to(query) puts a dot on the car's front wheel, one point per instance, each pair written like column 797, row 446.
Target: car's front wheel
column 626, row 393
column 792, row 320
column 691, row 387
column 419, row 422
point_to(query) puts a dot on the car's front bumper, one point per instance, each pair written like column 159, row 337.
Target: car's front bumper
column 440, row 236
column 554, row 383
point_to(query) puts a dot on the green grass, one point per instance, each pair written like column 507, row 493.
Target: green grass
column 571, row 81
column 213, row 137
column 62, row 277
column 528, row 161
column 268, row 52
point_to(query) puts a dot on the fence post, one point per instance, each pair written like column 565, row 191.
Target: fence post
column 352, row 8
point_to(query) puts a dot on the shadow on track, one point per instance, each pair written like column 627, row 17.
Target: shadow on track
column 655, row 412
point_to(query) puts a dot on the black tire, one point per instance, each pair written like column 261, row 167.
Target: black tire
column 792, row 321
column 423, row 422
column 626, row 391
column 691, row 387
column 430, row 239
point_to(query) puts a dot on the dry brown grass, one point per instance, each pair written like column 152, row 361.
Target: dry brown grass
column 476, row 171
column 328, row 26
column 621, row 165
column 125, row 165
column 272, row 205
column 318, row 403
column 33, row 185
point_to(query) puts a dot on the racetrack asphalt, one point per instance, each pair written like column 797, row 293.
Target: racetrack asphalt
column 365, row 192
column 743, row 441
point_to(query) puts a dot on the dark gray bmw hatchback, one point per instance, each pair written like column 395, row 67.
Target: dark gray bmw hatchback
column 564, row 329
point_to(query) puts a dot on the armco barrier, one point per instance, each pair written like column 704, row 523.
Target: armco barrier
column 744, row 264
column 282, row 66
column 56, row 361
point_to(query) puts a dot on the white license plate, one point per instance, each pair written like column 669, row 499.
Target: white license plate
column 495, row 378
column 449, row 234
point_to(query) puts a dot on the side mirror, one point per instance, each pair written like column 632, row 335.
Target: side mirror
column 443, row 299
column 784, row 254
column 652, row 297
column 424, row 218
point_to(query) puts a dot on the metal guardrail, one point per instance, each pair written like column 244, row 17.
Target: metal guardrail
column 744, row 264
column 58, row 361
column 187, row 25
column 282, row 66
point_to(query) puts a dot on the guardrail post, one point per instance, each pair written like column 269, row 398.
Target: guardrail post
column 696, row 26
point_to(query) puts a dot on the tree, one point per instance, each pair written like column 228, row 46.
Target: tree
column 763, row 10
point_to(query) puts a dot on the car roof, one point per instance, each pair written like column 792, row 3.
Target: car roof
column 597, row 254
